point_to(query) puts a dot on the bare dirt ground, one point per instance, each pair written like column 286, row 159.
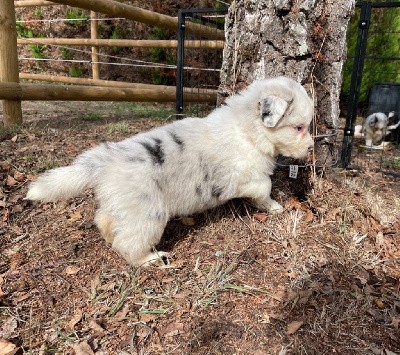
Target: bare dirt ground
column 320, row 278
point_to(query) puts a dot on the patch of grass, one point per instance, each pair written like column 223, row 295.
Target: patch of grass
column 75, row 71
column 121, row 127
column 37, row 50
column 46, row 163
column 66, row 54
column 145, row 110
column 76, row 17
column 90, row 116
column 117, row 33
column 24, row 32
column 391, row 163
column 38, row 12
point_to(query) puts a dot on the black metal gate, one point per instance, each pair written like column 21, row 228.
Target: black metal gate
column 198, row 68
column 368, row 61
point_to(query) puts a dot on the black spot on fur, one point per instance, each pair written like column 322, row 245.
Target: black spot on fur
column 199, row 190
column 156, row 152
column 132, row 159
column 177, row 140
column 216, row 191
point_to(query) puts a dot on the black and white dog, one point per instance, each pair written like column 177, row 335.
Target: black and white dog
column 379, row 129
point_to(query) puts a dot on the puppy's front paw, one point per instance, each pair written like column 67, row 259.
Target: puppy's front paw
column 158, row 256
column 270, row 205
column 275, row 207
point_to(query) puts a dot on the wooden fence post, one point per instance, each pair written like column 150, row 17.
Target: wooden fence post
column 12, row 111
column 95, row 51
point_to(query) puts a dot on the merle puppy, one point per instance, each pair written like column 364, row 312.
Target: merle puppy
column 187, row 166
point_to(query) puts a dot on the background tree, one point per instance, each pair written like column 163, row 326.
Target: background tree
column 305, row 40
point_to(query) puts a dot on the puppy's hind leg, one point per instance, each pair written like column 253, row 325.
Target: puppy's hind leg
column 106, row 226
column 135, row 241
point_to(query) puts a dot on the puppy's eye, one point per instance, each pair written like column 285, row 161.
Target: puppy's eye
column 299, row 128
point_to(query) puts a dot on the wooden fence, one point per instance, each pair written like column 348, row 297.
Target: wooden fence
column 95, row 89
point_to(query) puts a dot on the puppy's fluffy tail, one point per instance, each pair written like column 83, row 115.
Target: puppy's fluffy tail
column 62, row 183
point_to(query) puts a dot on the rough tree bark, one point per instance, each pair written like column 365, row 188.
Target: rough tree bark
column 302, row 39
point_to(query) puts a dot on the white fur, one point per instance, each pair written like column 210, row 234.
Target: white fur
column 187, row 166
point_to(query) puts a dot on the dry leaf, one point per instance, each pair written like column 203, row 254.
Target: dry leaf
column 294, row 326
column 14, row 139
column 75, row 216
column 188, row 221
column 75, row 319
column 120, row 316
column 379, row 240
column 172, row 329
column 304, row 296
column 4, row 164
column 395, row 322
column 17, row 209
column 147, row 317
column 23, row 297
column 261, row 216
column 8, row 328
column 6, row 215
column 7, row 348
column 11, row 181
column 293, row 202
column 308, row 216
column 336, row 211
column 72, row 270
column 379, row 303
column 83, row 348
column 96, row 326
column 20, row 177
column 374, row 224
column 167, row 280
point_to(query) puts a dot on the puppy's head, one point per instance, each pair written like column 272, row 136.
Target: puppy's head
column 375, row 128
column 286, row 111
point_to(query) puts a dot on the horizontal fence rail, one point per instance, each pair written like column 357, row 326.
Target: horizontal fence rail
column 144, row 43
column 25, row 91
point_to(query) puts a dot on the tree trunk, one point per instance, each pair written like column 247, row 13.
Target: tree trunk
column 304, row 40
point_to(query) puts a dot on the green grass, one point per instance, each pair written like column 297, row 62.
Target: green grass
column 90, row 116
column 24, row 32
column 120, row 127
column 75, row 71
column 66, row 54
column 37, row 50
column 145, row 110
column 76, row 17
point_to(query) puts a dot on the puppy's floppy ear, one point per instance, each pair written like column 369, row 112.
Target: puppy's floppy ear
column 372, row 120
column 272, row 108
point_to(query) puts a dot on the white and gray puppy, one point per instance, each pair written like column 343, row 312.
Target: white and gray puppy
column 376, row 128
column 187, row 166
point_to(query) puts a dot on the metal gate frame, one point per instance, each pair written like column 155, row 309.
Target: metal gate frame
column 180, row 55
column 356, row 78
